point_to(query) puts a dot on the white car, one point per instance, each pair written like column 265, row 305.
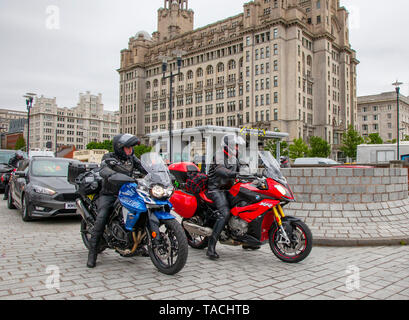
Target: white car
column 41, row 153
column 315, row 161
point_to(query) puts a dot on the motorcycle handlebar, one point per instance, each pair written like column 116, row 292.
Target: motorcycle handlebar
column 247, row 177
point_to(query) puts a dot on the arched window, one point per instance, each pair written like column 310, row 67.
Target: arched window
column 309, row 61
column 220, row 67
column 181, row 77
column 148, row 85
column 232, row 65
column 209, row 70
column 190, row 75
column 199, row 72
column 155, row 83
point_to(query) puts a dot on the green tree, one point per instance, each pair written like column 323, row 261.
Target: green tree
column 20, row 143
column 374, row 138
column 350, row 142
column 299, row 149
column 140, row 150
column 319, row 148
column 106, row 145
column 272, row 147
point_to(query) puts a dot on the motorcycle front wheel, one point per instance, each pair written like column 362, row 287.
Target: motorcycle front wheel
column 300, row 247
column 170, row 253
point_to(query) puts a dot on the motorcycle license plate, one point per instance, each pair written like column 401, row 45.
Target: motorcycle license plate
column 70, row 206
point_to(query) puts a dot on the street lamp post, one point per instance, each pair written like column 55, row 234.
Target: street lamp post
column 171, row 76
column 397, row 85
column 29, row 103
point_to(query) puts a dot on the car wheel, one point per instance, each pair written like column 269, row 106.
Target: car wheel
column 10, row 203
column 25, row 208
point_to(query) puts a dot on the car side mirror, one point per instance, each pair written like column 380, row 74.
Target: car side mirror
column 20, row 174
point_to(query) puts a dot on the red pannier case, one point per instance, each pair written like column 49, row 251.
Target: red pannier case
column 184, row 204
column 181, row 170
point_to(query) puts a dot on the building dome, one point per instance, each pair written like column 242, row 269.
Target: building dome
column 145, row 35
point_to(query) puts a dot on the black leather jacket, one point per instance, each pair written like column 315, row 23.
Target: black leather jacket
column 222, row 174
column 127, row 167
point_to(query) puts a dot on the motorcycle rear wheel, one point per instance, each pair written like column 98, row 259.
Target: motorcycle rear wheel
column 198, row 242
column 86, row 236
column 169, row 256
column 300, row 247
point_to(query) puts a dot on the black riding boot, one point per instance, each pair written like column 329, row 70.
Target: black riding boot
column 93, row 251
column 217, row 230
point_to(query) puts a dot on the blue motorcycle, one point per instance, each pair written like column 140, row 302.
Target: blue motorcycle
column 141, row 216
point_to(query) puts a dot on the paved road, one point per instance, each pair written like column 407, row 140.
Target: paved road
column 35, row 255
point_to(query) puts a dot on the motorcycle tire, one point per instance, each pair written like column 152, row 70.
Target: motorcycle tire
column 283, row 251
column 199, row 243
column 10, row 201
column 86, row 235
column 172, row 239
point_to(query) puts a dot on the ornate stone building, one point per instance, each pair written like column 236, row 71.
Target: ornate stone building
column 78, row 126
column 378, row 114
column 280, row 65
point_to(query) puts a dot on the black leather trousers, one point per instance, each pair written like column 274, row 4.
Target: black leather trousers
column 105, row 206
column 220, row 199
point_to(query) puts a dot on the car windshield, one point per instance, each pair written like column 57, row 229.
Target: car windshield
column 5, row 156
column 158, row 172
column 50, row 168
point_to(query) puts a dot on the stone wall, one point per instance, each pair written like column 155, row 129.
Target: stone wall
column 344, row 206
column 348, row 185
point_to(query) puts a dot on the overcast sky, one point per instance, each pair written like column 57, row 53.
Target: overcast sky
column 80, row 51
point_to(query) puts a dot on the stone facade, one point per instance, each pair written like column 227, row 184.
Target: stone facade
column 378, row 114
column 7, row 115
column 87, row 122
column 344, row 185
column 345, row 206
column 280, row 65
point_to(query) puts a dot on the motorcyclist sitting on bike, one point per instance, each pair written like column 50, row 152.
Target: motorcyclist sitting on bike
column 222, row 175
column 13, row 162
column 127, row 163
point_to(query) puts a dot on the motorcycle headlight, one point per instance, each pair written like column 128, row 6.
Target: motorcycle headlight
column 43, row 190
column 282, row 190
column 158, row 191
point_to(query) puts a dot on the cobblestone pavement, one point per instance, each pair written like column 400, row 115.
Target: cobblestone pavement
column 31, row 253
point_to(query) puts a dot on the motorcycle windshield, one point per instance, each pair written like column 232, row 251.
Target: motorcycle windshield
column 271, row 167
column 158, row 172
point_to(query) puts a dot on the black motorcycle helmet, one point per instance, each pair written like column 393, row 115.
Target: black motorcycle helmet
column 124, row 140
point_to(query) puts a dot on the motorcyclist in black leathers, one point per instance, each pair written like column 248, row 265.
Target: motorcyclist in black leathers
column 13, row 162
column 128, row 163
column 222, row 175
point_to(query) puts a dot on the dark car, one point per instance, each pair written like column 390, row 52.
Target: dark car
column 39, row 188
column 5, row 156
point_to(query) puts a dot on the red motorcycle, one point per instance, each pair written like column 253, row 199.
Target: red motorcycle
column 257, row 214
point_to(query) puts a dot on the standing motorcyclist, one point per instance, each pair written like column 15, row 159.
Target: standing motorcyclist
column 127, row 163
column 222, row 175
column 13, row 162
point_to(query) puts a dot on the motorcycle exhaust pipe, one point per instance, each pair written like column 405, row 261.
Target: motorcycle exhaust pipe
column 84, row 212
column 197, row 230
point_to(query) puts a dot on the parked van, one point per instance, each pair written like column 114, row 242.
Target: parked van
column 315, row 161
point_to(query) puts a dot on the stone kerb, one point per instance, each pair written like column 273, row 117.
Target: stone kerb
column 351, row 206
